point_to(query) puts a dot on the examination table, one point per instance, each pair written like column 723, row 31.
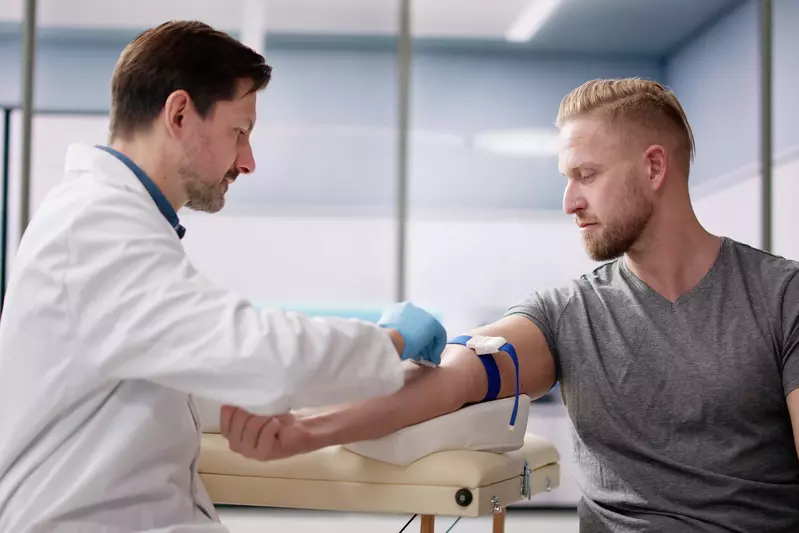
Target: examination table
column 441, row 467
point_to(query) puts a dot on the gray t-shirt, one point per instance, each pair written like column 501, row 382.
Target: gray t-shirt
column 679, row 412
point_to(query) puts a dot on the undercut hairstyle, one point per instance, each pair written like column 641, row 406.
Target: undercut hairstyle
column 209, row 65
column 633, row 102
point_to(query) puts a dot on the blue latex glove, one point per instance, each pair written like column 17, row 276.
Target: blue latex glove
column 425, row 337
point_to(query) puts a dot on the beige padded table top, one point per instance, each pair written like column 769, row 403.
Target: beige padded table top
column 338, row 479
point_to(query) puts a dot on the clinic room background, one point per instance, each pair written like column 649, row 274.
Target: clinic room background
column 318, row 226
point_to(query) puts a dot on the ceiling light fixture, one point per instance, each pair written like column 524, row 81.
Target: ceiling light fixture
column 531, row 20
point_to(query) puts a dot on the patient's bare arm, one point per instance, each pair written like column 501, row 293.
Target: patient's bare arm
column 428, row 393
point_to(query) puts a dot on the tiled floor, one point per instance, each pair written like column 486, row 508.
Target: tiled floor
column 250, row 520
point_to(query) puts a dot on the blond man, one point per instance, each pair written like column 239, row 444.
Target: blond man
column 678, row 358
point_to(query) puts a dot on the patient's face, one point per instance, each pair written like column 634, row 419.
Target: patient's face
column 605, row 187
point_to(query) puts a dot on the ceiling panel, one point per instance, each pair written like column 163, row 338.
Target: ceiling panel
column 643, row 27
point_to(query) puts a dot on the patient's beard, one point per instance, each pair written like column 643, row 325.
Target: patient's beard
column 621, row 232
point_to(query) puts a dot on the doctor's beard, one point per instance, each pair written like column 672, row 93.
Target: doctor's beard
column 203, row 195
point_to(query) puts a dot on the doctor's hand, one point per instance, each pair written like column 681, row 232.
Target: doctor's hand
column 425, row 338
column 264, row 438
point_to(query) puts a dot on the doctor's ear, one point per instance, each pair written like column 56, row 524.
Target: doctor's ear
column 177, row 106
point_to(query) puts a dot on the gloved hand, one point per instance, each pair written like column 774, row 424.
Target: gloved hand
column 425, row 337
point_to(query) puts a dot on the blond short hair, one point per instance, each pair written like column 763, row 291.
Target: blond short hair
column 632, row 101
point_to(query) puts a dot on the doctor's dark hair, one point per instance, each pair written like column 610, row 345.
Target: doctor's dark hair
column 208, row 64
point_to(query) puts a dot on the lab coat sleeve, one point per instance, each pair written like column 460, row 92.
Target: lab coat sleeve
column 142, row 311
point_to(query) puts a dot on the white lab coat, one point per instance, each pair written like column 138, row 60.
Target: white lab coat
column 108, row 333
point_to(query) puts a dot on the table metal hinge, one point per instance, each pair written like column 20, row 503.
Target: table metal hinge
column 526, row 481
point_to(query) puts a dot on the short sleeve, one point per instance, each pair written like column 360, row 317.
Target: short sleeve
column 545, row 308
column 790, row 330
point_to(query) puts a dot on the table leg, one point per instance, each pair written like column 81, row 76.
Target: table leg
column 499, row 521
column 428, row 523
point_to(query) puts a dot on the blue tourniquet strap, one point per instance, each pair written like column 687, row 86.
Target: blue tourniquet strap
column 508, row 347
column 492, row 372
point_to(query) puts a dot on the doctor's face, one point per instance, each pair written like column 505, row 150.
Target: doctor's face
column 216, row 150
column 606, row 189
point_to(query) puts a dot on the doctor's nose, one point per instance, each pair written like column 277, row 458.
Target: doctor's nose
column 245, row 162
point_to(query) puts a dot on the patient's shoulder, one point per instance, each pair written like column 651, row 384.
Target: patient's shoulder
column 547, row 306
column 557, row 297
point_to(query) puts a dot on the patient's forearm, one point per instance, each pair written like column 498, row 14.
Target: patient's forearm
column 431, row 392
column 428, row 392
column 313, row 414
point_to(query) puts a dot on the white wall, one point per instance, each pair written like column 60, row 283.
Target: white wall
column 786, row 193
column 469, row 266
column 50, row 137
column 468, row 270
column 734, row 209
column 715, row 73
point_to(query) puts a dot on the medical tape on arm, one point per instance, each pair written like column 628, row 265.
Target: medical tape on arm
column 492, row 370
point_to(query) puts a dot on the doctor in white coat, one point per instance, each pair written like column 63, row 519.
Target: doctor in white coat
column 109, row 332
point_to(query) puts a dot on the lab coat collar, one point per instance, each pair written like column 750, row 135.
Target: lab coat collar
column 155, row 193
column 86, row 158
